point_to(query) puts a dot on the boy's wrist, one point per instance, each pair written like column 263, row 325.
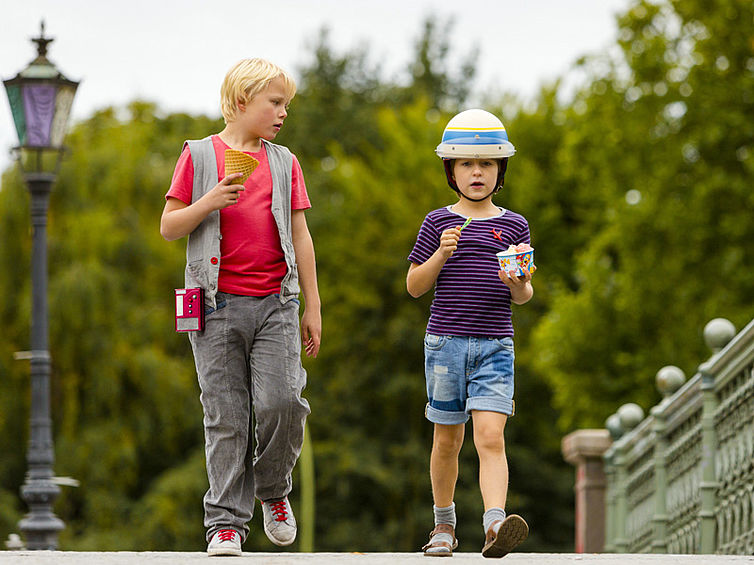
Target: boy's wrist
column 312, row 303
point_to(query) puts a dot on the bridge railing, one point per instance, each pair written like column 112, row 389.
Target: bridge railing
column 681, row 480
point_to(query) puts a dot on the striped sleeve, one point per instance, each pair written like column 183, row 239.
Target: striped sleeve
column 427, row 242
column 525, row 235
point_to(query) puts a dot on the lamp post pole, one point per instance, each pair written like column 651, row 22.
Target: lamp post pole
column 40, row 526
column 40, row 99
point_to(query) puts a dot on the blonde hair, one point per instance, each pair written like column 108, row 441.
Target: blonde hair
column 246, row 79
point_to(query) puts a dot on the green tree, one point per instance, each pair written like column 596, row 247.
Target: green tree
column 15, row 286
column 124, row 395
column 336, row 101
column 127, row 420
column 637, row 190
column 660, row 161
column 368, row 207
column 432, row 71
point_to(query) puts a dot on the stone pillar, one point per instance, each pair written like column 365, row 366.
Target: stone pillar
column 584, row 449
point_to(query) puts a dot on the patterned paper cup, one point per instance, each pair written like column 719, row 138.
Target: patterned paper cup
column 510, row 261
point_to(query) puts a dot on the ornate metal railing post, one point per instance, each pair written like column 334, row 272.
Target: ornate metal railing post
column 614, row 428
column 620, row 543
column 717, row 333
column 669, row 379
column 660, row 517
column 708, row 487
column 609, row 502
column 630, row 415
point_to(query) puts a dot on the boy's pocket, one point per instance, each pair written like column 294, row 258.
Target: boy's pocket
column 506, row 343
column 434, row 342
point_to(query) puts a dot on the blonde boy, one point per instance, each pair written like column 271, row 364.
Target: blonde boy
column 250, row 250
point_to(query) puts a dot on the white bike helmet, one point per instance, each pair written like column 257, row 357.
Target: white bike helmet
column 475, row 134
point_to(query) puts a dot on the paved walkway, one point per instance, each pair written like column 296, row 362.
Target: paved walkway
column 167, row 558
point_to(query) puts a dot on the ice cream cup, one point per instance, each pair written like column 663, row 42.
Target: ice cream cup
column 512, row 261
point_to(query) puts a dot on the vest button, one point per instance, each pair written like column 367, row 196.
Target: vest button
column 213, row 260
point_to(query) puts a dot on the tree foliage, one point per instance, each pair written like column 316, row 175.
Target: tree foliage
column 637, row 190
column 657, row 152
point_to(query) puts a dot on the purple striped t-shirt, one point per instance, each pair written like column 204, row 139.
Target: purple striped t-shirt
column 470, row 299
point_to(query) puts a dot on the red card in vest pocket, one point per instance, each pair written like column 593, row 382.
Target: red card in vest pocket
column 189, row 309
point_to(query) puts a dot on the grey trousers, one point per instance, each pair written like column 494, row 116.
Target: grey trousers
column 249, row 357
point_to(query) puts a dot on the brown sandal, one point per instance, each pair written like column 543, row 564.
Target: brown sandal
column 512, row 531
column 442, row 541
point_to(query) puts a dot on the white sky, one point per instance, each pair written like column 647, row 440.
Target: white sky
column 176, row 52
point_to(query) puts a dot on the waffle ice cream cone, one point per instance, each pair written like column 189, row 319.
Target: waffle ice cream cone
column 239, row 162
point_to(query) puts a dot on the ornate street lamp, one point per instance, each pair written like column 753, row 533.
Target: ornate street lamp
column 40, row 101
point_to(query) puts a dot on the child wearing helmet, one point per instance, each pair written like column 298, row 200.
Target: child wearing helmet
column 468, row 346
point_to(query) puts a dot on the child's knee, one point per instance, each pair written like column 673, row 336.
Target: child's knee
column 290, row 405
column 448, row 440
column 489, row 438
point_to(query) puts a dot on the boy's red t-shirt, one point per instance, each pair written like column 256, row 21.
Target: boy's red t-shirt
column 252, row 262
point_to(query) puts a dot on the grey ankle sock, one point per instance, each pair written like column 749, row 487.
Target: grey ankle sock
column 445, row 515
column 490, row 516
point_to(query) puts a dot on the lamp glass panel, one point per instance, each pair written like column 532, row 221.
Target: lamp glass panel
column 17, row 109
column 63, row 103
column 39, row 107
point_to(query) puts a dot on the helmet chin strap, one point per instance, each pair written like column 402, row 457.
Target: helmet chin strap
column 494, row 190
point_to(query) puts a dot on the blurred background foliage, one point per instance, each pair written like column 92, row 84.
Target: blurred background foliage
column 638, row 189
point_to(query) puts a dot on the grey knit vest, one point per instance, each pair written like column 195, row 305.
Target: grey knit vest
column 203, row 247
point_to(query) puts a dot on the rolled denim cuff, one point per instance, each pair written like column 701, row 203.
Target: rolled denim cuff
column 490, row 404
column 442, row 417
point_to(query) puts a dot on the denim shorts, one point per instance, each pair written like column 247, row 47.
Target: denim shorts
column 467, row 373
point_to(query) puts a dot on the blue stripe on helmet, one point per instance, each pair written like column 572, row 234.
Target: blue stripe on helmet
column 474, row 137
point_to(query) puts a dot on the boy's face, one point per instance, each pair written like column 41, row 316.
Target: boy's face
column 476, row 178
column 264, row 114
